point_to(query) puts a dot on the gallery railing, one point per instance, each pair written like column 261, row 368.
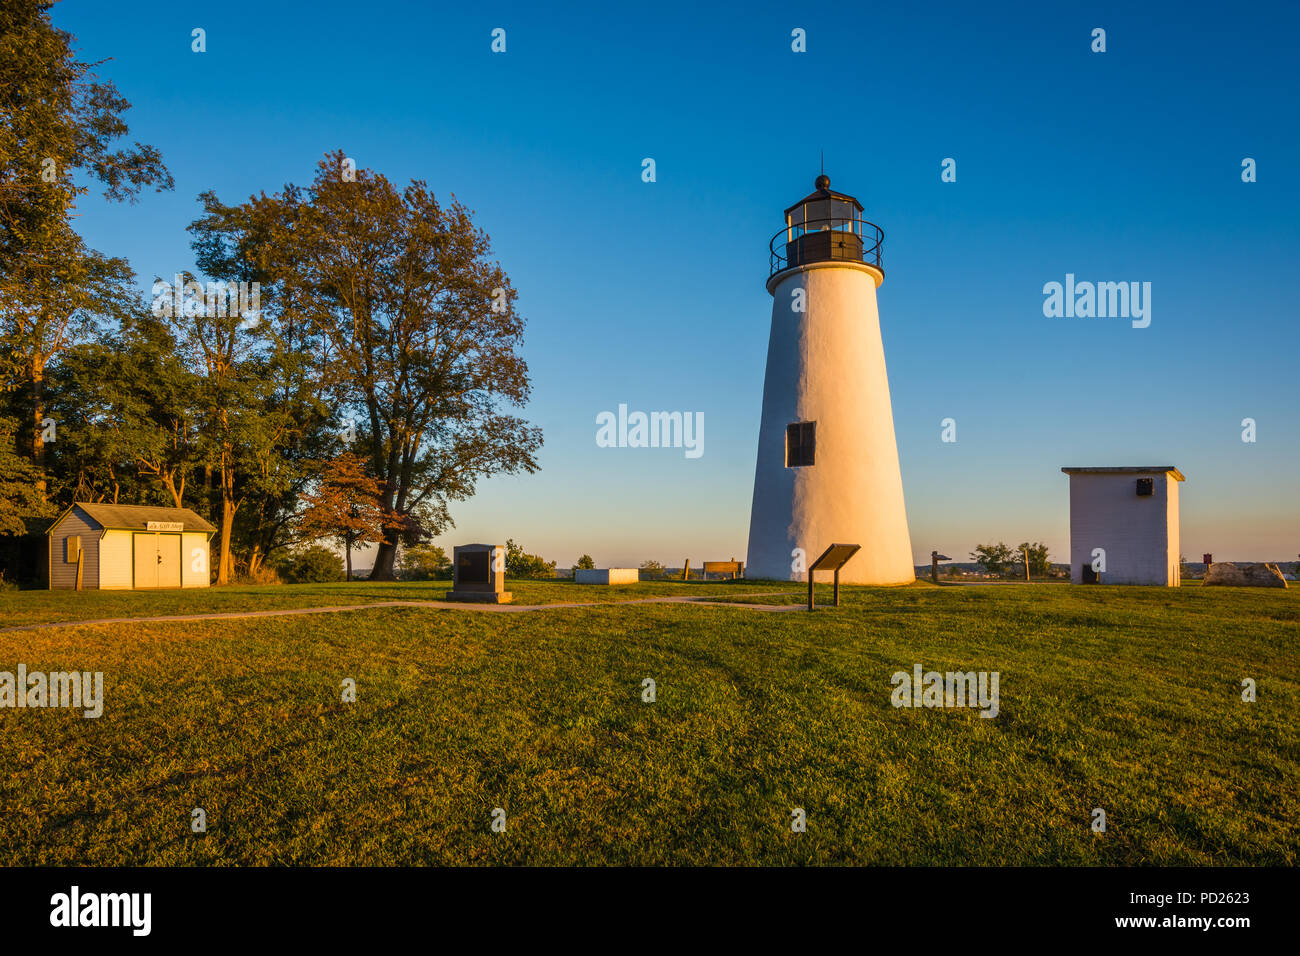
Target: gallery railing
column 820, row 240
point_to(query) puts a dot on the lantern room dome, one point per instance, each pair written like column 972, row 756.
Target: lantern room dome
column 823, row 226
column 822, row 197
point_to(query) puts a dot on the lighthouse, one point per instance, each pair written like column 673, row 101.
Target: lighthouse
column 827, row 469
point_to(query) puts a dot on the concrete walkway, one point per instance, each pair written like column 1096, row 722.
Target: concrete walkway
column 706, row 601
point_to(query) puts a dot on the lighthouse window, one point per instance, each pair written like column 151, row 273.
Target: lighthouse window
column 800, row 444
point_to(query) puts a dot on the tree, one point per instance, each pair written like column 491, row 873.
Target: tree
column 59, row 121
column 585, row 562
column 313, row 565
column 993, row 558
column 296, row 427
column 521, row 564
column 228, row 388
column 344, row 505
column 424, row 562
column 419, row 334
column 1040, row 564
column 125, row 404
column 18, row 495
column 652, row 569
column 50, row 299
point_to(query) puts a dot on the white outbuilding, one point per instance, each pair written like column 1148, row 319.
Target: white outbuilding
column 129, row 547
column 1124, row 525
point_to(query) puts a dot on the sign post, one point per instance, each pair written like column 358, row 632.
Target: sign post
column 832, row 559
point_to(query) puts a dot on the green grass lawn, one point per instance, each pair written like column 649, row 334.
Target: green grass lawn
column 1127, row 699
column 38, row 607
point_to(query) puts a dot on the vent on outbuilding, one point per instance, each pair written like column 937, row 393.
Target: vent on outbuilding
column 1145, row 487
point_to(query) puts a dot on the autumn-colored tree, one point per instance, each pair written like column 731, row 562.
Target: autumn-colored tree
column 418, row 334
column 345, row 505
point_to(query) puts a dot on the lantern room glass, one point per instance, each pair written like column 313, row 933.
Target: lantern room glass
column 819, row 215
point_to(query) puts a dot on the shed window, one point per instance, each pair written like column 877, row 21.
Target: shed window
column 73, row 548
column 800, row 444
column 1145, row 487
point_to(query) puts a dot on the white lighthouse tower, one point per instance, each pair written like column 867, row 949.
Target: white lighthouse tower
column 827, row 468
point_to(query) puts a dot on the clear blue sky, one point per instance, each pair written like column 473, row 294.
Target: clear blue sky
column 1117, row 166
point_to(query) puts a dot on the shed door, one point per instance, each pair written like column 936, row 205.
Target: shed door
column 146, row 560
column 157, row 560
column 169, row 560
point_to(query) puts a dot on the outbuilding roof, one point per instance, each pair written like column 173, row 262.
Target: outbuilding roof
column 136, row 517
column 1127, row 470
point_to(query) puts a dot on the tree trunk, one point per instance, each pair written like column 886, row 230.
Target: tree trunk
column 384, row 558
column 169, row 482
column 347, row 552
column 38, row 425
column 227, row 524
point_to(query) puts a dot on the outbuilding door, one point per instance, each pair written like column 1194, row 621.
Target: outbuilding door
column 157, row 560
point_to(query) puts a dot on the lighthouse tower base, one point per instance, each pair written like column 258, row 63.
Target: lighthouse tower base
column 826, row 376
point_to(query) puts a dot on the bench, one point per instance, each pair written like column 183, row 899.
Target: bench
column 735, row 568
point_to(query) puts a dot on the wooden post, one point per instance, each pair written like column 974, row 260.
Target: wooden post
column 810, row 590
column 934, row 566
column 1026, row 555
column 686, row 570
column 837, row 587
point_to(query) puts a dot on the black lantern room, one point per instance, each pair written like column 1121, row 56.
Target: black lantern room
column 825, row 225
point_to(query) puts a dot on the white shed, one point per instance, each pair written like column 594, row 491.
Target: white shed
column 129, row 547
column 1124, row 525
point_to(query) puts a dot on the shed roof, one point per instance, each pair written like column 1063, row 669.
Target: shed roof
column 135, row 517
column 1127, row 470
